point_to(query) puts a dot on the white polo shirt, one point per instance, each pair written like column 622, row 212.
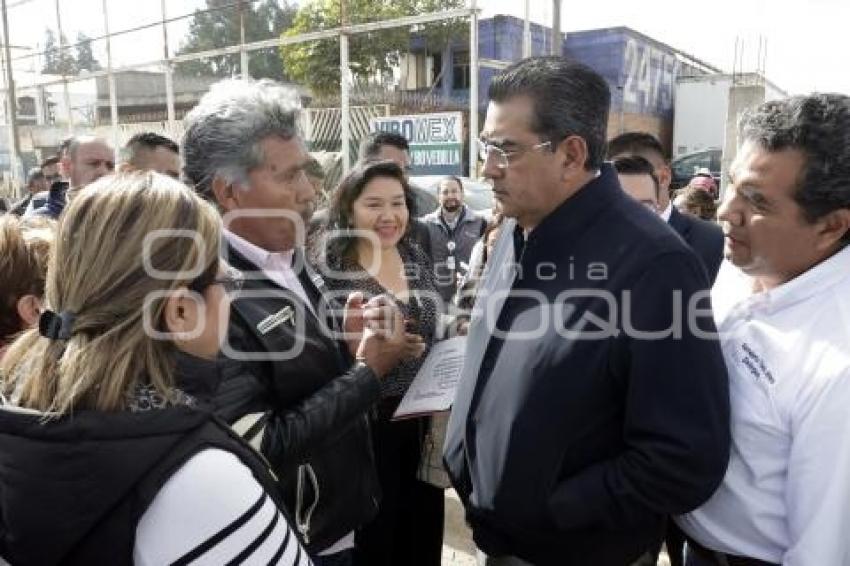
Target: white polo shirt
column 786, row 495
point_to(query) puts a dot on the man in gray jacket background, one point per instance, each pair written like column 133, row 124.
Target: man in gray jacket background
column 453, row 230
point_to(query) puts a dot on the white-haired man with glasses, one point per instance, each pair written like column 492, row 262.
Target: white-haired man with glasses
column 586, row 411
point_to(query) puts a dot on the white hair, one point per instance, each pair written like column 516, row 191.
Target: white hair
column 224, row 131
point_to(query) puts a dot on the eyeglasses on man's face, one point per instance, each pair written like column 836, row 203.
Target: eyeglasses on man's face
column 501, row 156
column 231, row 280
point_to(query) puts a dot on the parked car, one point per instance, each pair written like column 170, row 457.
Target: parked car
column 478, row 195
column 686, row 166
column 424, row 201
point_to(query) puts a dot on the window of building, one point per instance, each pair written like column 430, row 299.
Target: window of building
column 460, row 70
column 436, row 70
column 26, row 106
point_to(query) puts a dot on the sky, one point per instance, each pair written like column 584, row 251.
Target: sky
column 806, row 39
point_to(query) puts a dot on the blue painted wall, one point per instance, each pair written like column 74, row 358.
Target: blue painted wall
column 641, row 72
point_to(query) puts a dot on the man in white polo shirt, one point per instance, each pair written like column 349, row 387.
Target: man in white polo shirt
column 782, row 308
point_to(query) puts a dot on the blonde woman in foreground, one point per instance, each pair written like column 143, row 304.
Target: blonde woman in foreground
column 109, row 452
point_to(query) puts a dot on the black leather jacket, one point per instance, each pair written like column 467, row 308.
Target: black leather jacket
column 317, row 438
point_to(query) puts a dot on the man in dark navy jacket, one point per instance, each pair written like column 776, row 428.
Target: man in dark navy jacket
column 704, row 237
column 591, row 405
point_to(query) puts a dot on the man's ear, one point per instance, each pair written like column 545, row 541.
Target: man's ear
column 832, row 227
column 29, row 309
column 574, row 149
column 225, row 193
column 65, row 166
column 665, row 176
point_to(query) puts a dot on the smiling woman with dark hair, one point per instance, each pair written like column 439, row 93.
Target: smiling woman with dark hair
column 367, row 247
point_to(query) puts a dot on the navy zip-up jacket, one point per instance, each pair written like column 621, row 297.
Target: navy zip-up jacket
column 575, row 429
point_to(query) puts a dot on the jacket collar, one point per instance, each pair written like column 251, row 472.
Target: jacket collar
column 312, row 282
column 572, row 218
column 464, row 215
column 679, row 222
column 198, row 377
column 252, row 271
column 257, row 255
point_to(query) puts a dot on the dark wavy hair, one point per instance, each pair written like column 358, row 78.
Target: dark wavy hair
column 816, row 125
column 569, row 99
column 340, row 208
column 637, row 165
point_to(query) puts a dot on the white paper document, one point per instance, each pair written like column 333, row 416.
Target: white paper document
column 433, row 388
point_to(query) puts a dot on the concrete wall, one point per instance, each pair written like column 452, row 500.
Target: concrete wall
column 641, row 72
column 741, row 98
column 700, row 118
column 500, row 37
column 659, row 127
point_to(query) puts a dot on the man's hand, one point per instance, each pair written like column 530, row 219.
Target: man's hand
column 352, row 321
column 385, row 343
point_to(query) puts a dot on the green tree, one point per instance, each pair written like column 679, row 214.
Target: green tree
column 56, row 61
column 85, row 57
column 220, row 28
column 438, row 35
column 316, row 63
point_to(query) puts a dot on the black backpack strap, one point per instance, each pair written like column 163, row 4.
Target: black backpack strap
column 214, row 433
column 252, row 428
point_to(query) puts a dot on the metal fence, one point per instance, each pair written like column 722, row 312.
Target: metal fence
column 115, row 67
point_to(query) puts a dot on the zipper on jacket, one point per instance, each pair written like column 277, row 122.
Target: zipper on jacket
column 302, row 518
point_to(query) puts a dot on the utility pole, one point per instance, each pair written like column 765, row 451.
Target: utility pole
column 12, row 114
column 556, row 28
column 473, row 87
column 345, row 88
column 113, row 89
column 526, row 31
column 66, row 93
column 243, row 55
column 169, row 74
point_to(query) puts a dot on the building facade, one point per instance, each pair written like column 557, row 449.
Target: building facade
column 641, row 72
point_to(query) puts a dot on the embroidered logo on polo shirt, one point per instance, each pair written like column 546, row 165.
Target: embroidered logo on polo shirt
column 755, row 364
column 286, row 314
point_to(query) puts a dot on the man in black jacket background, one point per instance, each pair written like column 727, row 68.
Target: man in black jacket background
column 594, row 396
column 704, row 237
column 242, row 151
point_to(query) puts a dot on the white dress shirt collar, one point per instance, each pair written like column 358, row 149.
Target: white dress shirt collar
column 667, row 212
column 815, row 280
column 277, row 266
column 258, row 256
